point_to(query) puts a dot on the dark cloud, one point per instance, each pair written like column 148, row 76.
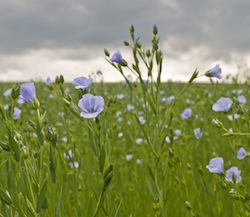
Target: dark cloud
column 88, row 26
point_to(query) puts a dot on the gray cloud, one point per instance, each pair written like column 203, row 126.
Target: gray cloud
column 88, row 26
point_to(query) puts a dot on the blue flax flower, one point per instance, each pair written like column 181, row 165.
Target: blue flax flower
column 27, row 92
column 233, row 174
column 214, row 72
column 242, row 99
column 7, row 93
column 187, row 113
column 82, row 83
column 16, row 113
column 216, row 165
column 91, row 105
column 117, row 58
column 241, row 154
column 222, row 105
column 198, row 133
column 48, row 81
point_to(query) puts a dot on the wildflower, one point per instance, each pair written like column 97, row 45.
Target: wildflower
column 222, row 105
column 214, row 72
column 130, row 107
column 167, row 139
column 198, row 133
column 235, row 116
column 142, row 120
column 187, row 113
column 242, row 99
column 216, row 165
column 237, row 92
column 241, row 154
column 120, row 135
column 146, row 81
column 82, row 83
column 48, row 81
column 7, row 93
column 177, row 132
column 233, row 174
column 74, row 164
column 129, row 157
column 138, row 161
column 125, row 84
column 120, row 96
column 163, row 100
column 27, row 92
column 69, row 154
column 117, row 58
column 138, row 141
column 91, row 105
column 170, row 99
column 17, row 113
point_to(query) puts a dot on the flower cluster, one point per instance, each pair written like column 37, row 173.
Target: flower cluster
column 216, row 165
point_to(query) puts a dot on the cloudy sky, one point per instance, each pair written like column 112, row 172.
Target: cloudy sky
column 41, row 38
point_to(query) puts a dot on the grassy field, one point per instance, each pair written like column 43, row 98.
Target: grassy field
column 144, row 149
column 148, row 175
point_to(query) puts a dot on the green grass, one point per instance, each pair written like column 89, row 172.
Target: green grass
column 161, row 179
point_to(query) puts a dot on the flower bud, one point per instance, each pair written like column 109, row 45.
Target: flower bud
column 15, row 91
column 155, row 30
column 106, row 53
column 126, row 43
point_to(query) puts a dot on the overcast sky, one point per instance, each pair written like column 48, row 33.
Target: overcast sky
column 41, row 38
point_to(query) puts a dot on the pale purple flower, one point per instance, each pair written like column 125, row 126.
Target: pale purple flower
column 142, row 120
column 232, row 117
column 28, row 92
column 117, row 57
column 198, row 133
column 7, row 92
column 222, row 105
column 237, row 92
column 163, row 100
column 48, row 81
column 69, row 154
column 187, row 113
column 130, row 107
column 216, row 165
column 214, row 72
column 138, row 161
column 129, row 157
column 241, row 154
column 82, row 83
column 233, row 174
column 6, row 107
column 20, row 101
column 138, row 141
column 120, row 96
column 167, row 139
column 177, row 132
column 146, row 81
column 170, row 99
column 73, row 165
column 120, row 135
column 16, row 113
column 91, row 105
column 242, row 99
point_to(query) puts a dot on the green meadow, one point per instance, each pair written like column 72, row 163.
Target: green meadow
column 139, row 157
